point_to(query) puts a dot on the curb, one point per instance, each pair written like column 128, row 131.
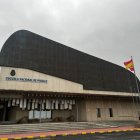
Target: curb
column 53, row 134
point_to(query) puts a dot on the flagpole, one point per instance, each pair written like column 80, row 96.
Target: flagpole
column 136, row 80
column 133, row 96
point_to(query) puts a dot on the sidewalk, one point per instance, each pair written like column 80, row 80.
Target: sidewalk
column 68, row 132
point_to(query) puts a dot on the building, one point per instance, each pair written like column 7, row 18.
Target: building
column 43, row 79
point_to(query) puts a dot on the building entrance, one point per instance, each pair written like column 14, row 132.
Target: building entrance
column 50, row 109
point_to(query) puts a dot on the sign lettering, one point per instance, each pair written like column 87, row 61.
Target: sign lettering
column 25, row 80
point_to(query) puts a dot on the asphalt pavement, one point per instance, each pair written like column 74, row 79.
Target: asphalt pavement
column 131, row 135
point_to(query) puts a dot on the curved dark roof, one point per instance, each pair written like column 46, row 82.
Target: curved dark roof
column 24, row 49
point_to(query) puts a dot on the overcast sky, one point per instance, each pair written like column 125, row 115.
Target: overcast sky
column 108, row 29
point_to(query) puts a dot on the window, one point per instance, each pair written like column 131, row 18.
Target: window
column 34, row 114
column 110, row 112
column 98, row 111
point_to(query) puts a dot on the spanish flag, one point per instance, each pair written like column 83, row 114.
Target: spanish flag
column 129, row 65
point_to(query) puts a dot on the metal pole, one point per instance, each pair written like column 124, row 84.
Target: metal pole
column 136, row 79
column 134, row 105
column 130, row 87
column 136, row 84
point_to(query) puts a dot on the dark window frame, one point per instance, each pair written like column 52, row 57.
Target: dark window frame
column 111, row 112
column 98, row 112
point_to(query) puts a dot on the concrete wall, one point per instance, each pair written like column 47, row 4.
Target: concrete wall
column 54, row 84
column 85, row 110
column 81, row 110
column 122, row 110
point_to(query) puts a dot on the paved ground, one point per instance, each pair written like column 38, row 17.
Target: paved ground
column 70, row 133
column 135, row 135
column 60, row 126
column 104, row 131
